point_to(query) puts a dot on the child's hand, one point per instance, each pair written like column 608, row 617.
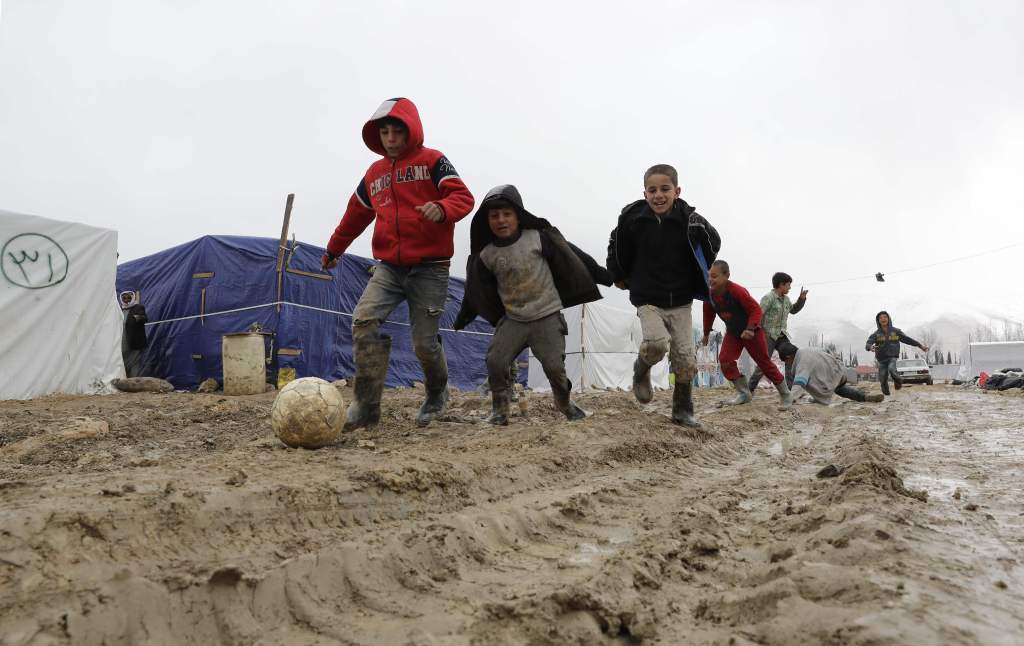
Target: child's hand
column 431, row 211
column 803, row 293
column 621, row 284
column 328, row 262
column 747, row 335
column 704, row 341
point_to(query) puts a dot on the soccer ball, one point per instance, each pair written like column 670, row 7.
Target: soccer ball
column 308, row 412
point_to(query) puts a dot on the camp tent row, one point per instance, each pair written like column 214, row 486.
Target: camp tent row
column 62, row 325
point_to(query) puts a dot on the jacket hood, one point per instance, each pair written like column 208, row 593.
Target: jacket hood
column 480, row 234
column 879, row 315
column 399, row 108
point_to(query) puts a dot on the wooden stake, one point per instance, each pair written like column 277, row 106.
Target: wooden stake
column 282, row 245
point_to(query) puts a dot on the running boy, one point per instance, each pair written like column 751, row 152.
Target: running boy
column 520, row 274
column 775, row 310
column 742, row 317
column 885, row 342
column 416, row 197
column 659, row 251
column 821, row 374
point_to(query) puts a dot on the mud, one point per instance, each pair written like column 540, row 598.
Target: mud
column 180, row 519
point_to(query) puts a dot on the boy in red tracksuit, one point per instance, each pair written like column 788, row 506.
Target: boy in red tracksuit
column 742, row 317
column 415, row 197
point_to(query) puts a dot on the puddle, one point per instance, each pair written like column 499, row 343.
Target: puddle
column 587, row 552
column 793, row 441
column 937, row 488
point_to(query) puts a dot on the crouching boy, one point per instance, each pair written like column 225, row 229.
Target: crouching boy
column 821, row 374
column 742, row 317
column 521, row 272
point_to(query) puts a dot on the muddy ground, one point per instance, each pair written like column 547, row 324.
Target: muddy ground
column 180, row 519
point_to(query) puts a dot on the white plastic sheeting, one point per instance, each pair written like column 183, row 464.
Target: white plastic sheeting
column 602, row 345
column 60, row 324
column 989, row 357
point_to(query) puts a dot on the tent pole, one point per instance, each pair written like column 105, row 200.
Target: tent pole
column 282, row 244
column 583, row 347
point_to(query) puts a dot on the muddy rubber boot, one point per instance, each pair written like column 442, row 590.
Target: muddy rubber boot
column 564, row 404
column 742, row 391
column 642, row 389
column 682, row 405
column 371, row 357
column 499, row 407
column 897, row 382
column 435, row 377
column 785, row 397
column 874, row 397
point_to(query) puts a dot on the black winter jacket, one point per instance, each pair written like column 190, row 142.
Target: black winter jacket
column 886, row 341
column 575, row 273
column 637, row 220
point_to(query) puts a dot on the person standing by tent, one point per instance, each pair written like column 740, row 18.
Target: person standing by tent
column 520, row 274
column 775, row 310
column 659, row 250
column 133, row 339
column 885, row 343
column 415, row 196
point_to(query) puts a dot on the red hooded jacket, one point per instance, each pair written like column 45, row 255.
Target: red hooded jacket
column 393, row 188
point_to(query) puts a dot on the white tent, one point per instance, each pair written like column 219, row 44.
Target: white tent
column 601, row 347
column 60, row 324
column 991, row 356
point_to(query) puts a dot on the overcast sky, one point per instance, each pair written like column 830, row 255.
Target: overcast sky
column 829, row 140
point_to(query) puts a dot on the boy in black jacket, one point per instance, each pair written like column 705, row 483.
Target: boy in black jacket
column 661, row 250
column 521, row 272
column 885, row 342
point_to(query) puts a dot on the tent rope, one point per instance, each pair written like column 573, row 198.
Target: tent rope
column 306, row 307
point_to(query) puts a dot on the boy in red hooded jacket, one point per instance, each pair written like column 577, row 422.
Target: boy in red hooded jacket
column 416, row 197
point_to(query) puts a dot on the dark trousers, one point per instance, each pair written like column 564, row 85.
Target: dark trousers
column 772, row 344
column 849, row 392
column 545, row 337
column 885, row 368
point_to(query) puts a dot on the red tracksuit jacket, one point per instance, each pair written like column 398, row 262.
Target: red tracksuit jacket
column 392, row 188
column 736, row 307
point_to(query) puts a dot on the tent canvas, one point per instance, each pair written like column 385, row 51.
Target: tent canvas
column 196, row 292
column 601, row 346
column 60, row 324
column 990, row 356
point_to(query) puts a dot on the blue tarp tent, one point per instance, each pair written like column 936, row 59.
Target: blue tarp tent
column 196, row 292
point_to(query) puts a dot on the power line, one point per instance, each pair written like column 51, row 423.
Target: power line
column 910, row 269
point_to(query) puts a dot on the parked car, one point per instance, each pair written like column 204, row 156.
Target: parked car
column 914, row 371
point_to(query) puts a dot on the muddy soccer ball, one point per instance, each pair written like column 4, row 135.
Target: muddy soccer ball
column 308, row 412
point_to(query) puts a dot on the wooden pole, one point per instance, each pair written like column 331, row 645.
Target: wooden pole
column 282, row 245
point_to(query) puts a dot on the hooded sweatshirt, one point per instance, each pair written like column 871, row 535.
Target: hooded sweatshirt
column 888, row 340
column 393, row 188
column 574, row 274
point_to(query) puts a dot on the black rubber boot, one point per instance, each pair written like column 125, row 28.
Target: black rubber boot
column 642, row 389
column 499, row 407
column 682, row 405
column 563, row 402
column 371, row 358
column 435, row 378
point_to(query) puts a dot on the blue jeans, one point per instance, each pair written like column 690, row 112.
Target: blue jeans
column 425, row 287
column 885, row 368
